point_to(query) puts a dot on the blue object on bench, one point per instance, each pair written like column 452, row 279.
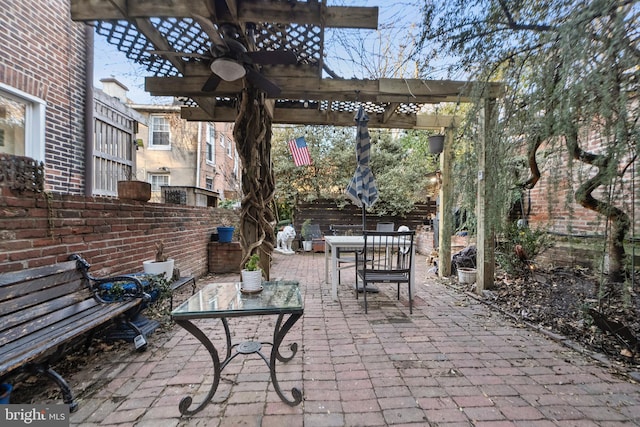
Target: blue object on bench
column 128, row 289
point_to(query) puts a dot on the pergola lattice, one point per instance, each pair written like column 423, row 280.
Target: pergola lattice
column 310, row 92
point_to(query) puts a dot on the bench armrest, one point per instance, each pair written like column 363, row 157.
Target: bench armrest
column 111, row 289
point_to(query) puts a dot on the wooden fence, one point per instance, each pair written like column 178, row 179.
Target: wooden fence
column 326, row 213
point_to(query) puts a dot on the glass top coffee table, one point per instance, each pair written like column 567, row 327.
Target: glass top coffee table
column 225, row 300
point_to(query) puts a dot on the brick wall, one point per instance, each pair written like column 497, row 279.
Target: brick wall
column 42, row 53
column 225, row 257
column 552, row 203
column 114, row 235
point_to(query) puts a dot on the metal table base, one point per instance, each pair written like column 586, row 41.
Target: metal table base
column 245, row 347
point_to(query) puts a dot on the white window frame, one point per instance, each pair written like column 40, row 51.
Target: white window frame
column 155, row 186
column 236, row 165
column 211, row 144
column 151, row 132
column 229, row 149
column 34, row 126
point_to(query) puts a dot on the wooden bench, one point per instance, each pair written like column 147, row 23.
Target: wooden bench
column 43, row 310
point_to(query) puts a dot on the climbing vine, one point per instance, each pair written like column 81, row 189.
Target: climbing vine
column 252, row 133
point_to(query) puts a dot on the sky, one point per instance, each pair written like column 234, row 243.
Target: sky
column 108, row 62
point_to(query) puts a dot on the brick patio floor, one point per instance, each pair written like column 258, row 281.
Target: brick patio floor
column 454, row 362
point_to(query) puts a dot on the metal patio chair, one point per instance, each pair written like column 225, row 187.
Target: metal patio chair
column 386, row 258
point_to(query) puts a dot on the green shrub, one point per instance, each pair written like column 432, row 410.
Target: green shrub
column 518, row 248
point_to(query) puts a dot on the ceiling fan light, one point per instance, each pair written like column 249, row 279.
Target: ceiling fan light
column 228, row 69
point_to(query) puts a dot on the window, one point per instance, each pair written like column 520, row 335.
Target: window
column 236, row 166
column 229, row 148
column 159, row 135
column 211, row 143
column 157, row 181
column 209, row 183
column 22, row 118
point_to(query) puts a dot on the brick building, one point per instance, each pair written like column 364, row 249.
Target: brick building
column 45, row 82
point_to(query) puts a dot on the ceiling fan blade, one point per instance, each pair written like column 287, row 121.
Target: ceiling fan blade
column 273, row 57
column 211, row 84
column 257, row 79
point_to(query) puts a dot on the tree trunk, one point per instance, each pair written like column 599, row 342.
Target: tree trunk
column 584, row 195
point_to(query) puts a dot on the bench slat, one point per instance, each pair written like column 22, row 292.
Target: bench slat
column 35, row 273
column 38, row 343
column 28, row 301
column 41, row 310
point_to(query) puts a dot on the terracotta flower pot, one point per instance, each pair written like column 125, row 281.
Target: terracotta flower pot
column 134, row 190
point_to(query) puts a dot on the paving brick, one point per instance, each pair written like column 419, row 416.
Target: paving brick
column 452, row 363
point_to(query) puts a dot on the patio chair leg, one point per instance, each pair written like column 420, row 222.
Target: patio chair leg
column 364, row 291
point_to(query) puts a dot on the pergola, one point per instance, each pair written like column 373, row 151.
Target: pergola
column 173, row 39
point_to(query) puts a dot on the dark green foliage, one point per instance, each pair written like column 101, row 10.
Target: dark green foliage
column 518, row 247
column 570, row 105
column 399, row 162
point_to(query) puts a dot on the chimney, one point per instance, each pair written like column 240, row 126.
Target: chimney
column 113, row 87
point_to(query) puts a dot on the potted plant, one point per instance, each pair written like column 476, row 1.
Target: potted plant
column 307, row 235
column 436, row 143
column 161, row 264
column 252, row 274
column 225, row 233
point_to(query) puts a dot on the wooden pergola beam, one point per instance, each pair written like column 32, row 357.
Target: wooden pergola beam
column 301, row 116
column 311, row 12
column 311, row 88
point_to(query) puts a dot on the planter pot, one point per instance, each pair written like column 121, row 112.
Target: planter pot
column 5, row 393
column 225, row 234
column 466, row 275
column 307, row 245
column 134, row 190
column 153, row 267
column 436, row 144
column 251, row 280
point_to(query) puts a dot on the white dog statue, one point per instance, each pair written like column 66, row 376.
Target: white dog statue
column 285, row 238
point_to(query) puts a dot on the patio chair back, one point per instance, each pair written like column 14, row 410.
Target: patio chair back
column 346, row 256
column 385, row 226
column 386, row 258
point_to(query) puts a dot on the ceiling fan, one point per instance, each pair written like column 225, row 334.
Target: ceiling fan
column 230, row 60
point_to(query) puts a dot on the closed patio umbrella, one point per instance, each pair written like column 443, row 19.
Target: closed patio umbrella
column 362, row 189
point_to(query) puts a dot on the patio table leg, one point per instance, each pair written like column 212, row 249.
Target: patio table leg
column 186, row 401
column 278, row 336
column 246, row 347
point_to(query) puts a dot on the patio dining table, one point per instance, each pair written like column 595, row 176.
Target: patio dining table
column 333, row 244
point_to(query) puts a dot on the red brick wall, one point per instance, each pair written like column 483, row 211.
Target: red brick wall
column 553, row 206
column 114, row 235
column 225, row 257
column 42, row 53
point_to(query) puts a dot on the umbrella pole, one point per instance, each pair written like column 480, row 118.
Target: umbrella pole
column 364, row 217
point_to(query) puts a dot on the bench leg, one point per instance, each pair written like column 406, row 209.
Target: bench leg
column 67, row 395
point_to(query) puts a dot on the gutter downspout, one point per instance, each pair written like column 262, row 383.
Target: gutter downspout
column 88, row 111
column 199, row 151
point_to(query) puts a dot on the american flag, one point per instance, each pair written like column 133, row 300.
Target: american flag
column 300, row 151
